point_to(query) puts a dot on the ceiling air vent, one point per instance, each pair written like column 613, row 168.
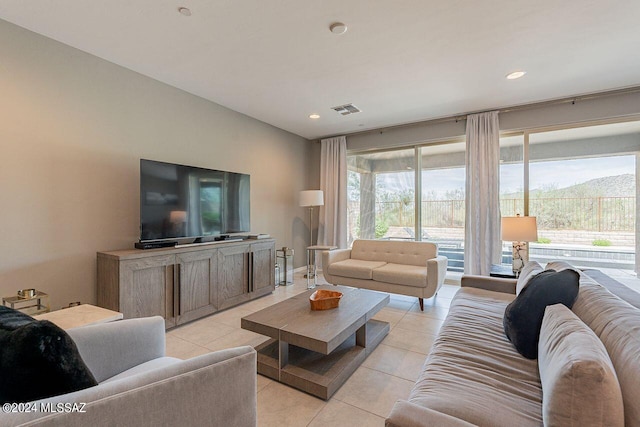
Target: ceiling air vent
column 346, row 109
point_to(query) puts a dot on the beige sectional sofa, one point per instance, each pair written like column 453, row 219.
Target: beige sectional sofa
column 138, row 385
column 474, row 376
column 399, row 267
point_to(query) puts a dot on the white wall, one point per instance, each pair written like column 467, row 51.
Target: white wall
column 72, row 130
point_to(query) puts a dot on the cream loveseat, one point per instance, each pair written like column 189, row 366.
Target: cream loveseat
column 474, row 376
column 138, row 385
column 398, row 267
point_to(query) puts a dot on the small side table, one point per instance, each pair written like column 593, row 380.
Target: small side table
column 80, row 315
column 503, row 271
column 312, row 272
column 284, row 259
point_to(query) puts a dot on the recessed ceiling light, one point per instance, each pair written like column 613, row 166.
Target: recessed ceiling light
column 314, row 116
column 338, row 28
column 515, row 75
column 184, row 11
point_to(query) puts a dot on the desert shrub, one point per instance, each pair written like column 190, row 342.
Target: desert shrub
column 601, row 242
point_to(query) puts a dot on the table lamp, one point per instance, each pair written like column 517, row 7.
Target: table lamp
column 520, row 230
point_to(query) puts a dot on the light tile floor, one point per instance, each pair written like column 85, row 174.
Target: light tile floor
column 387, row 375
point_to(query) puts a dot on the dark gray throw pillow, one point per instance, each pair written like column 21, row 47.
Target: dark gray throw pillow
column 523, row 317
column 37, row 359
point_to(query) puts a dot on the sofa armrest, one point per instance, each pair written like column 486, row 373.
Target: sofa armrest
column 213, row 389
column 407, row 414
column 329, row 257
column 496, row 284
column 111, row 348
column 335, row 256
column 436, row 270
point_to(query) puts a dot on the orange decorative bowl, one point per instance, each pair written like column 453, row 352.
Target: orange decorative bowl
column 324, row 300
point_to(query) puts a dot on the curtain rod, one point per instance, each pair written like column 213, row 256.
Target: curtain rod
column 463, row 116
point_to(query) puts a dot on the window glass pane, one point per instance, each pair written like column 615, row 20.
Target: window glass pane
column 512, row 175
column 443, row 190
column 583, row 193
column 381, row 195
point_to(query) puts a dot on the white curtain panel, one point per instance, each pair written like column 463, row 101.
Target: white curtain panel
column 482, row 245
column 332, row 227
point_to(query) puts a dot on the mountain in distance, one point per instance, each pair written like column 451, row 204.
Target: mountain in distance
column 609, row 186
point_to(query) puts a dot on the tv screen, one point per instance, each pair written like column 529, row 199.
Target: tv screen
column 180, row 202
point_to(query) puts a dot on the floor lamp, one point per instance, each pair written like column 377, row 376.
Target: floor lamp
column 310, row 199
column 520, row 230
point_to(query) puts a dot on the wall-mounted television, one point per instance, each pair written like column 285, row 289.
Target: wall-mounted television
column 187, row 202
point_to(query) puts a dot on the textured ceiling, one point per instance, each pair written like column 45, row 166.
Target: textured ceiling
column 399, row 61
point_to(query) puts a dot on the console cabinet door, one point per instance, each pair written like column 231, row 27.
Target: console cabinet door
column 233, row 275
column 146, row 288
column 197, row 293
column 263, row 273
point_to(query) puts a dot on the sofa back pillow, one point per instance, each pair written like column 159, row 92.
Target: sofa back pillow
column 559, row 266
column 617, row 324
column 579, row 383
column 37, row 359
column 396, row 252
column 528, row 271
column 523, row 316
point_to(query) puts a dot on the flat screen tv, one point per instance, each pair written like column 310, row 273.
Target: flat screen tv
column 187, row 202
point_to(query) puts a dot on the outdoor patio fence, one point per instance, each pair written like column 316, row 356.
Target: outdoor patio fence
column 588, row 213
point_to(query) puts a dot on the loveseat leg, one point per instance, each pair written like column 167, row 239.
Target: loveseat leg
column 421, row 301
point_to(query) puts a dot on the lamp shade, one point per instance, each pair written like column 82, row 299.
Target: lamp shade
column 311, row 198
column 519, row 229
column 177, row 217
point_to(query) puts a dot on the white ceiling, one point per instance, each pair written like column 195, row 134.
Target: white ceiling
column 399, row 62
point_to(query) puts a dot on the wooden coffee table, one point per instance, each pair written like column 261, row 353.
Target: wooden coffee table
column 317, row 351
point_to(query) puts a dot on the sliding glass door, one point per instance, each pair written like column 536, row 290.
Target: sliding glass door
column 583, row 192
column 579, row 182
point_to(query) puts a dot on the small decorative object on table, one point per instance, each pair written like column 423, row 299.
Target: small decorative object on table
column 324, row 300
column 27, row 293
column 29, row 301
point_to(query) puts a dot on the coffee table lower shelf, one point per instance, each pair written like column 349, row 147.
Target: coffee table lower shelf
column 316, row 373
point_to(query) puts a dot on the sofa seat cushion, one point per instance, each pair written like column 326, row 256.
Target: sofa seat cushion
column 402, row 274
column 474, row 373
column 159, row 363
column 355, row 268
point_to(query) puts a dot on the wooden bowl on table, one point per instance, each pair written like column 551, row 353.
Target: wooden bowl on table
column 324, row 300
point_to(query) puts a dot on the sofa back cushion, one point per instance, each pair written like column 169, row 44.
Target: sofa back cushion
column 528, row 271
column 579, row 383
column 409, row 253
column 617, row 324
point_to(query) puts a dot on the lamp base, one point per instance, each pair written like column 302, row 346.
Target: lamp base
column 520, row 255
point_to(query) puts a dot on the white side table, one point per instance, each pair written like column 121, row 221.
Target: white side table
column 80, row 315
column 311, row 271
